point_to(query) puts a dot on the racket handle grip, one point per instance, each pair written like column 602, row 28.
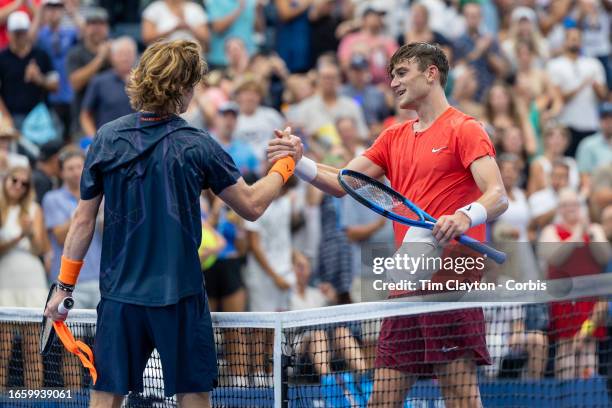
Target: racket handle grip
column 65, row 306
column 490, row 252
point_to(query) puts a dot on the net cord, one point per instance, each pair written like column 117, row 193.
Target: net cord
column 575, row 288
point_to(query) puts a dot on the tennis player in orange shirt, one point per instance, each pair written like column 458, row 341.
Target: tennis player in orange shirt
column 444, row 162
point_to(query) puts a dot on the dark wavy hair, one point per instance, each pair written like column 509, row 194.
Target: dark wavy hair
column 424, row 54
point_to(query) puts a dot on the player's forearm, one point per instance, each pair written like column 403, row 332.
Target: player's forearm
column 495, row 201
column 327, row 180
column 79, row 237
column 259, row 196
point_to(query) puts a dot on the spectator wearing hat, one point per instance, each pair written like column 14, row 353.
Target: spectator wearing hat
column 105, row 99
column 242, row 154
column 58, row 206
column 26, row 72
column 56, row 40
column 256, row 123
column 90, row 56
column 367, row 96
column 8, row 156
column 582, row 81
column 524, row 28
column 7, row 7
column 370, row 41
column 596, row 150
column 45, row 175
column 479, row 50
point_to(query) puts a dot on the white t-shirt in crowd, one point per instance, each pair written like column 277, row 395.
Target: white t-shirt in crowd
column 274, row 229
column 543, row 201
column 164, row 19
column 313, row 298
column 518, row 214
column 581, row 112
column 257, row 129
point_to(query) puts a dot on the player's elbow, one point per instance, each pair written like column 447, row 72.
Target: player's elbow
column 336, row 191
column 252, row 214
column 501, row 198
column 253, row 210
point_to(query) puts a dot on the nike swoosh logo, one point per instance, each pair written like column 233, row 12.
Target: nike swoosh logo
column 447, row 349
column 469, row 208
column 438, row 149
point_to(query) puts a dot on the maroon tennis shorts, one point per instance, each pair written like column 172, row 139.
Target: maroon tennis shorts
column 414, row 344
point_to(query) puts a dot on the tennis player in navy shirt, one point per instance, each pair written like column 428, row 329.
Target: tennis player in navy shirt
column 150, row 167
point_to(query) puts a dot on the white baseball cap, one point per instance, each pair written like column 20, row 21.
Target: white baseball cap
column 522, row 12
column 18, row 21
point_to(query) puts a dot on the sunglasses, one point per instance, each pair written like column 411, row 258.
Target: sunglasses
column 22, row 183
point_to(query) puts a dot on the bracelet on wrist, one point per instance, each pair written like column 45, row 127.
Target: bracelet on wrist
column 64, row 287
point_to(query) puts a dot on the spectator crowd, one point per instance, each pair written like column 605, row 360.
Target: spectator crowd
column 536, row 73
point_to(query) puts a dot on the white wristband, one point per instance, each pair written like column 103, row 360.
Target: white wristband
column 475, row 212
column 306, row 169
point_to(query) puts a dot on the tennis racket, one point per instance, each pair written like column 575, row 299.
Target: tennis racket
column 47, row 332
column 389, row 203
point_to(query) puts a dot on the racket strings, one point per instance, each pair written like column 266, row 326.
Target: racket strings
column 380, row 197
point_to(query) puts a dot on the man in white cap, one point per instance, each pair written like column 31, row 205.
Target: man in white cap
column 26, row 72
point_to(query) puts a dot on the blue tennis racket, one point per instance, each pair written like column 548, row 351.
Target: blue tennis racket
column 387, row 202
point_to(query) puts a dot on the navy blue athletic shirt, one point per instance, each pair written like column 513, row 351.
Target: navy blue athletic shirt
column 151, row 171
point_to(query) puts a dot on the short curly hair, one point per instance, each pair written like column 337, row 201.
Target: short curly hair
column 165, row 71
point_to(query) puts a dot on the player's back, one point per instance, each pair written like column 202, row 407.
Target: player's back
column 152, row 171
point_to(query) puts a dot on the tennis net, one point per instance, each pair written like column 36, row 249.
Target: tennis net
column 327, row 357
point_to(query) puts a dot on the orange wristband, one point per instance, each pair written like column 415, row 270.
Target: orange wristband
column 69, row 271
column 285, row 167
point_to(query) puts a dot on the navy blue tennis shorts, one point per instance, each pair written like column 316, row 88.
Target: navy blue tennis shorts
column 182, row 333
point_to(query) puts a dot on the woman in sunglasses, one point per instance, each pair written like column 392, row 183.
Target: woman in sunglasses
column 22, row 275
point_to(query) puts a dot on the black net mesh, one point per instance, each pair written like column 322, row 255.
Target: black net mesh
column 500, row 355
